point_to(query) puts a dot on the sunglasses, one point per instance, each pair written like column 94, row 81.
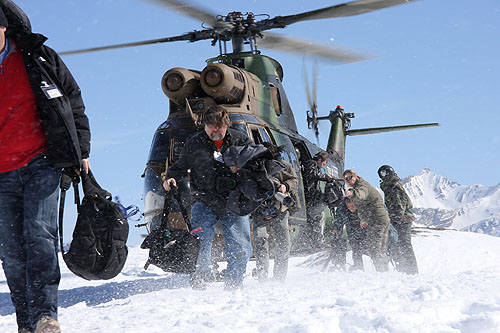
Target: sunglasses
column 348, row 178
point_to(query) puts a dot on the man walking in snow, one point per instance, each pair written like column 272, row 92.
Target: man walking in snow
column 43, row 128
column 273, row 215
column 374, row 218
column 400, row 209
column 209, row 180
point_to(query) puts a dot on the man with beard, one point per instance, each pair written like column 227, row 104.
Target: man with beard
column 209, row 181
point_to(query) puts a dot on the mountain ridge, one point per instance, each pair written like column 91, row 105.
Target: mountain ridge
column 441, row 202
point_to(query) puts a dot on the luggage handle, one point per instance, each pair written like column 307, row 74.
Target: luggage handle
column 166, row 209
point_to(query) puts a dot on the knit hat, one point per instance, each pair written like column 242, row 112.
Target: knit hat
column 3, row 19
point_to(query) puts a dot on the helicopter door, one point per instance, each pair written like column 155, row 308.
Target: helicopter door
column 165, row 149
column 302, row 152
column 289, row 154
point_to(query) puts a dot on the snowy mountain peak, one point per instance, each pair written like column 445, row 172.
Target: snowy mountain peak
column 429, row 190
column 441, row 202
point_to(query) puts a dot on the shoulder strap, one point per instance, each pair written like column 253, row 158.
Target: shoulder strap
column 174, row 192
column 66, row 180
column 91, row 187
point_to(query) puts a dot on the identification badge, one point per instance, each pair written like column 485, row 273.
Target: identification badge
column 50, row 90
column 218, row 156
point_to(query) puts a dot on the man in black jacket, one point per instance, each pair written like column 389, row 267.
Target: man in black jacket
column 43, row 128
column 210, row 182
column 312, row 176
column 273, row 215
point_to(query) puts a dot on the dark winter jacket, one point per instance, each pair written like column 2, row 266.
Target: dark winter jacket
column 344, row 217
column 210, row 180
column 369, row 203
column 287, row 177
column 311, row 176
column 254, row 183
column 397, row 201
column 351, row 220
column 65, row 124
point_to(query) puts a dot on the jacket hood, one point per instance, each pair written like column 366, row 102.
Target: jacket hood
column 19, row 23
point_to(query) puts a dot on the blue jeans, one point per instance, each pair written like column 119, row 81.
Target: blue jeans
column 238, row 247
column 28, row 239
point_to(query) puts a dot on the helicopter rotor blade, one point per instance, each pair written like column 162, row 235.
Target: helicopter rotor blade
column 193, row 11
column 341, row 10
column 388, row 129
column 305, row 81
column 315, row 97
column 315, row 82
column 312, row 120
column 190, row 36
column 295, row 45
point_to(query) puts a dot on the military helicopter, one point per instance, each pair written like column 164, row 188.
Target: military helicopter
column 249, row 85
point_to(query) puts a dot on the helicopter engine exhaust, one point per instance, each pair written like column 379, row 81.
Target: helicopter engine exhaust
column 180, row 83
column 224, row 83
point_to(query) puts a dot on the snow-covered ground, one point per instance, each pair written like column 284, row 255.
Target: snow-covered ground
column 457, row 290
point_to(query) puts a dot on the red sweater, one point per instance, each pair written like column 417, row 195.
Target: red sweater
column 21, row 133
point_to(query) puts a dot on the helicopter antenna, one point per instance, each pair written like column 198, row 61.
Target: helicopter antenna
column 312, row 113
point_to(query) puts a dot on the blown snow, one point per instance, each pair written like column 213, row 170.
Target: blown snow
column 457, row 290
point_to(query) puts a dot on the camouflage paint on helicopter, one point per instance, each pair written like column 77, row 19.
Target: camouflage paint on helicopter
column 249, row 85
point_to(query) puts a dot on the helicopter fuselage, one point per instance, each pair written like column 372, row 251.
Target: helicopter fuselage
column 249, row 87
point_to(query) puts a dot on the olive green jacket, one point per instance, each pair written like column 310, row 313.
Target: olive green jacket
column 288, row 177
column 369, row 203
column 397, row 201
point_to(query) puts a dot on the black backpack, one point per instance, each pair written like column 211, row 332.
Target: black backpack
column 98, row 250
column 174, row 251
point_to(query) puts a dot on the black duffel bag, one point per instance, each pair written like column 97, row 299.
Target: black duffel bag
column 174, row 251
column 98, row 250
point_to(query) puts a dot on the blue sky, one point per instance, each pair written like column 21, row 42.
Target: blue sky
column 438, row 61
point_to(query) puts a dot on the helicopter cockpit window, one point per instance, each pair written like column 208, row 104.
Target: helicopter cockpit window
column 235, row 117
column 263, row 134
column 160, row 148
column 239, row 127
column 251, row 119
column 331, row 169
column 275, row 96
column 256, row 136
column 284, row 155
column 181, row 135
